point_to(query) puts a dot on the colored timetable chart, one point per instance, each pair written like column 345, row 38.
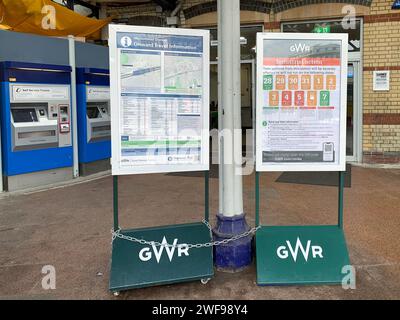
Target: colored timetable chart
column 300, row 103
column 315, row 91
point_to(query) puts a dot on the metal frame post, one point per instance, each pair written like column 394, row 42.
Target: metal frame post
column 115, row 203
column 1, row 166
column 207, row 195
column 340, row 204
column 257, row 217
column 229, row 67
column 231, row 218
column 74, row 113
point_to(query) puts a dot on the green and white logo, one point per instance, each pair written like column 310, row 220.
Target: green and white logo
column 146, row 254
column 284, row 251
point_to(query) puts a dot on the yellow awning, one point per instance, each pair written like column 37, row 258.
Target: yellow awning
column 36, row 16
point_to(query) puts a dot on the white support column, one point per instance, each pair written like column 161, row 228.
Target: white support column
column 231, row 189
column 74, row 116
column 103, row 15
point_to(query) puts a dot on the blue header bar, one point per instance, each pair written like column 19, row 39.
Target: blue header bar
column 159, row 42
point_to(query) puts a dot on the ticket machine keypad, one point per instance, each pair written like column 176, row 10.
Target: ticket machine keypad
column 64, row 119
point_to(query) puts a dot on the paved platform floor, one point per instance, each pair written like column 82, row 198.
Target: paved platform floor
column 69, row 228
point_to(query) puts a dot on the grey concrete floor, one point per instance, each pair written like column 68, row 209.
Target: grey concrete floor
column 69, row 228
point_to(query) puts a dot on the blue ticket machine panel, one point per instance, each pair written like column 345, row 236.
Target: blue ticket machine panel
column 35, row 122
column 94, row 119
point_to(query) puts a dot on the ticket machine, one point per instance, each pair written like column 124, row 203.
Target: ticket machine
column 35, row 124
column 94, row 120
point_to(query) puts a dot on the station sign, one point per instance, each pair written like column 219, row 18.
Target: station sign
column 159, row 99
column 301, row 102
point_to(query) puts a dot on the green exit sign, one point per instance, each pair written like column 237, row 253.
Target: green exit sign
column 322, row 29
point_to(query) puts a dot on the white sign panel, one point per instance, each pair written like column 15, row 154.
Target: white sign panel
column 381, row 80
column 97, row 93
column 159, row 99
column 301, row 102
column 20, row 93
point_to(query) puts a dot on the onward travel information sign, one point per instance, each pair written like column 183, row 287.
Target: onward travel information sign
column 159, row 99
column 301, row 102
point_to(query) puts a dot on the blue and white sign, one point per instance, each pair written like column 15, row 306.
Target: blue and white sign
column 159, row 99
column 160, row 42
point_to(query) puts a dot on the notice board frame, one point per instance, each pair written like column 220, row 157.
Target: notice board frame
column 115, row 86
column 343, row 102
column 273, row 269
column 128, row 270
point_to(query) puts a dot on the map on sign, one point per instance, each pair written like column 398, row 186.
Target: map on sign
column 183, row 73
column 140, row 71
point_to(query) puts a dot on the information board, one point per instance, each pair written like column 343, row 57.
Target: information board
column 159, row 99
column 301, row 102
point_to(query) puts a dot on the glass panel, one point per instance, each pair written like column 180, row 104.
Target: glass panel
column 248, row 42
column 246, row 95
column 328, row 27
column 350, row 111
column 214, row 96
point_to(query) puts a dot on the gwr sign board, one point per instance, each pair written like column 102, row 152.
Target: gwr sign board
column 301, row 255
column 159, row 123
column 301, row 102
column 159, row 99
column 136, row 265
column 301, row 126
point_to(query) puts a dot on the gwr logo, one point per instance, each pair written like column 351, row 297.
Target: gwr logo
column 146, row 254
column 300, row 47
column 283, row 251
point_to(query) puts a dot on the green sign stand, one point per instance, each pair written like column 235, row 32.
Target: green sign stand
column 288, row 255
column 136, row 265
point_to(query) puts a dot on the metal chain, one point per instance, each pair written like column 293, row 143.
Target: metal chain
column 118, row 234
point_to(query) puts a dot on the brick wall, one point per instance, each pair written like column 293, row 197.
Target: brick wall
column 143, row 14
column 381, row 129
column 381, row 51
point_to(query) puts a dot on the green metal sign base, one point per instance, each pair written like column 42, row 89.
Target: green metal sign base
column 135, row 265
column 301, row 255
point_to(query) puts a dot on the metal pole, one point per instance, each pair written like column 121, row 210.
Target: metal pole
column 1, row 166
column 207, row 195
column 229, row 69
column 115, row 202
column 257, row 199
column 231, row 218
column 220, row 126
column 340, row 207
column 74, row 120
column 253, row 108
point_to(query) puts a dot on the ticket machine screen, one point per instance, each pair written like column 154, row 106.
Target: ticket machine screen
column 24, row 115
column 98, row 122
column 92, row 112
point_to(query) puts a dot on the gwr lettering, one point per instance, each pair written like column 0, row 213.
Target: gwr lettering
column 300, row 47
column 146, row 254
column 283, row 251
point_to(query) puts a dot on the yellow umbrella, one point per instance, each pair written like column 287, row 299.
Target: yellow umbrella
column 44, row 17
